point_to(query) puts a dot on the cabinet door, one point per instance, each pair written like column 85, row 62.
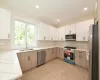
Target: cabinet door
column 40, row 32
column 61, row 53
column 23, row 60
column 58, row 34
column 62, row 33
column 47, row 32
column 86, row 28
column 83, row 59
column 68, row 30
column 80, row 32
column 73, row 29
column 42, row 29
column 58, row 52
column 5, row 23
column 48, row 55
column 53, row 33
column 33, row 57
column 77, row 59
column 54, row 53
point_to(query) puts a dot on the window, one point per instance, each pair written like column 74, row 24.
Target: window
column 24, row 35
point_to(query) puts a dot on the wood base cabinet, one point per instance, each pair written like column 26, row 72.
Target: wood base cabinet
column 51, row 53
column 27, row 60
column 60, row 53
column 80, row 58
column 48, row 55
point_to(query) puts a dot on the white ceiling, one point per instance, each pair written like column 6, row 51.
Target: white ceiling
column 51, row 10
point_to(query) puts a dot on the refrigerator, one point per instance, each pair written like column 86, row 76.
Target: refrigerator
column 93, row 52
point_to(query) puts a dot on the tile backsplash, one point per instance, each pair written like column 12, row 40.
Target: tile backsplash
column 78, row 44
column 5, row 44
column 46, row 43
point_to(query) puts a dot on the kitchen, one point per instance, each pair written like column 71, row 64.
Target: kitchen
column 34, row 48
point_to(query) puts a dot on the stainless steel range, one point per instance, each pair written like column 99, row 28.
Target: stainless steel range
column 69, row 55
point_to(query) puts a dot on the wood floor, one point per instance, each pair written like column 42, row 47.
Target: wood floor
column 56, row 70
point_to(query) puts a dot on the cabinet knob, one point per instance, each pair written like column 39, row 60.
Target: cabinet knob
column 8, row 36
column 44, row 38
column 84, row 38
column 28, row 58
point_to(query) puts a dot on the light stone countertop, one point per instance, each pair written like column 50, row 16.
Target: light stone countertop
column 82, row 50
column 9, row 65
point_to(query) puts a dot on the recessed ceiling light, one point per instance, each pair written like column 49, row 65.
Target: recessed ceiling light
column 85, row 9
column 37, row 6
column 58, row 20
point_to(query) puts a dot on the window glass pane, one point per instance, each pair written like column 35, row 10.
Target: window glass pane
column 30, row 35
column 19, row 33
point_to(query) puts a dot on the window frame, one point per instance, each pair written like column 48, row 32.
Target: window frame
column 26, row 45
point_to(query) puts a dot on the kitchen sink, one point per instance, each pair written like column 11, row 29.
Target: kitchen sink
column 25, row 49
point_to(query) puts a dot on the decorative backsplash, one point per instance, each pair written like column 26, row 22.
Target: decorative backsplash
column 78, row 44
column 46, row 43
column 5, row 44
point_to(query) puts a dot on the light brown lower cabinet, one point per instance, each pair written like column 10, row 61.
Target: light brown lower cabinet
column 51, row 53
column 27, row 60
column 60, row 53
column 48, row 55
column 80, row 58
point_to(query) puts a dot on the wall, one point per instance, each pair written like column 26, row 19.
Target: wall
column 78, row 44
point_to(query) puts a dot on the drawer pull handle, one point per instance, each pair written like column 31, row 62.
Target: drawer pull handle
column 28, row 58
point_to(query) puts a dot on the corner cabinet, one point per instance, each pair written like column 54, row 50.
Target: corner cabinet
column 82, row 30
column 27, row 60
column 5, row 23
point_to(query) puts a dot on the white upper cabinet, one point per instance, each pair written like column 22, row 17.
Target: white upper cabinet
column 53, row 33
column 67, row 30
column 40, row 32
column 62, row 33
column 43, row 32
column 46, row 32
column 5, row 24
column 71, row 29
column 82, row 30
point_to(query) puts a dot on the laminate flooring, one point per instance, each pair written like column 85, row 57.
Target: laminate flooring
column 56, row 70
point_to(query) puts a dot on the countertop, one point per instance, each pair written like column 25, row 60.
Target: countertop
column 9, row 65
column 82, row 50
column 38, row 48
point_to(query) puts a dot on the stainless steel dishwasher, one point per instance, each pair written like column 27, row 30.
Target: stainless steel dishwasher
column 41, row 57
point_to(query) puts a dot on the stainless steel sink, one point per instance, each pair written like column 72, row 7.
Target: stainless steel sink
column 26, row 49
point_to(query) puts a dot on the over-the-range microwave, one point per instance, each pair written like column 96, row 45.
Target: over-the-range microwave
column 70, row 37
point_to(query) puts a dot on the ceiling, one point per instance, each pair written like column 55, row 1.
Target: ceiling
column 51, row 10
